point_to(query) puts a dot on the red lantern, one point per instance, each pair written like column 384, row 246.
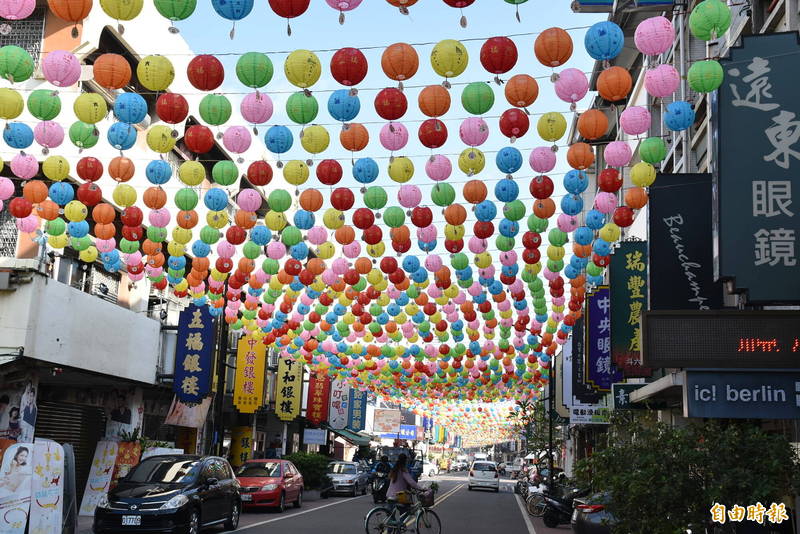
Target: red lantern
column 454, row 246
column 235, row 235
column 172, row 108
column 498, row 55
column 329, row 172
column 131, row 216
column 391, row 104
column 531, row 240
column 623, row 216
column 342, row 198
column 432, row 133
column 541, row 187
column 259, row 173
column 401, row 247
column 349, row 66
column 90, row 169
column 531, row 255
column 132, row 233
column 421, row 217
column 198, row 139
column 372, row 235
column 90, row 194
column 388, row 265
column 459, row 3
column 514, row 123
column 363, row 218
column 609, row 180
column 20, row 207
column 483, row 229
column 289, row 9
column 205, row 72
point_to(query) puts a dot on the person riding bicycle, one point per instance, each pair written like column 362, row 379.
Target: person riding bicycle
column 400, row 481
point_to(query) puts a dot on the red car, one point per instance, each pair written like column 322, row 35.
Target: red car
column 270, row 484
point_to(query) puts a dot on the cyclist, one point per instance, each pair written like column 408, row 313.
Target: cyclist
column 400, row 481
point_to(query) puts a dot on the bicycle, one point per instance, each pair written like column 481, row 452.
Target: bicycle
column 384, row 520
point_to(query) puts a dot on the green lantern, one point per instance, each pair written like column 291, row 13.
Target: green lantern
column 83, row 135
column 514, row 210
column 459, row 261
column 375, row 197
column 209, row 235
column 302, row 108
column 394, row 217
column 270, row 266
column 127, row 246
column 215, row 109
column 555, row 265
column 535, row 224
column 279, row 200
column 592, row 269
column 175, row 10
column 254, row 70
column 504, row 243
column 156, row 234
column 16, row 64
column 251, row 250
column 291, row 236
column 44, row 104
column 186, row 199
column 653, row 150
column 710, row 19
column 557, row 237
column 705, row 76
column 477, row 98
column 443, row 194
column 81, row 243
column 225, row 172
column 55, row 227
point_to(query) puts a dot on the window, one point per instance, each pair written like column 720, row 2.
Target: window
column 483, row 466
column 254, row 469
column 8, row 235
column 342, row 469
column 164, row 470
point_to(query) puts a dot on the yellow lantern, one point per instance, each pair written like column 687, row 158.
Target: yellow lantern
column 610, row 232
column 401, row 169
column 160, row 139
column 643, row 174
column 191, row 173
column 89, row 254
column 58, row 241
column 181, row 235
column 295, row 172
column 55, row 168
column 449, row 58
column 376, row 250
column 483, row 260
column 176, row 249
column 183, row 285
column 555, row 253
column 315, row 139
column 275, row 220
column 75, row 211
column 124, row 195
column 11, row 104
column 122, row 9
column 155, row 72
column 90, row 108
column 217, row 219
column 333, row 219
column 326, row 251
column 552, row 126
column 302, row 68
column 471, row 161
column 454, row 232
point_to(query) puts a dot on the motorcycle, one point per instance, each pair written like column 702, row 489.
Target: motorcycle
column 558, row 510
column 380, row 485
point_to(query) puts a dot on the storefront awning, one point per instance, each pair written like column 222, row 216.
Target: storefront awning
column 353, row 437
column 667, row 388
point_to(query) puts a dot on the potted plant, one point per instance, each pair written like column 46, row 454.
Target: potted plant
column 314, row 468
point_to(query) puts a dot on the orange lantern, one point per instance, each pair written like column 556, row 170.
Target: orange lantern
column 614, row 84
column 121, row 169
column 592, row 124
column 401, row 234
column 521, row 90
column 354, row 137
column 400, row 62
column 311, row 200
column 35, row 191
column 150, row 247
column 186, row 219
column 580, row 156
column 403, row 5
column 246, row 265
column 70, row 10
column 345, row 235
column 582, row 251
column 363, row 265
column 104, row 231
column 636, row 198
column 200, row 264
column 104, row 213
column 475, row 191
column 245, row 219
column 455, row 214
column 553, row 47
column 316, row 266
column 111, row 71
column 544, row 208
column 154, row 198
column 434, row 101
column 47, row 210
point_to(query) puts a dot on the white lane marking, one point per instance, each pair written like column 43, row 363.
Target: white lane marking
column 437, row 503
column 524, row 514
column 289, row 516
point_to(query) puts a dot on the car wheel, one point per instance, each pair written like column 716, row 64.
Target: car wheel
column 282, row 503
column 299, row 502
column 364, row 489
column 355, row 490
column 194, row 522
column 233, row 522
column 469, row 488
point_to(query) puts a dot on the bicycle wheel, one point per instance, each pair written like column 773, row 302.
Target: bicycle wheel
column 536, row 505
column 428, row 522
column 376, row 521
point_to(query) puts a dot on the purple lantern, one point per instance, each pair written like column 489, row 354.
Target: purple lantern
column 635, row 120
column 662, row 81
column 256, row 108
column 654, row 36
column 474, row 131
column 618, row 154
column 438, row 168
column 394, row 136
column 61, row 68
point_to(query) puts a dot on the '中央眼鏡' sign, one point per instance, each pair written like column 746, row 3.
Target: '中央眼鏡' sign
column 194, row 354
column 600, row 370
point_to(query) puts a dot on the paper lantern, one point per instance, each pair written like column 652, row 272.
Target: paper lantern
column 498, row 55
column 354, row 137
column 289, row 9
column 48, row 134
column 614, row 84
column 254, row 69
column 400, row 62
column 508, row 160
column 393, row 136
column 604, row 41
column 329, row 172
column 617, row 153
column 709, row 19
column 61, row 68
column 592, row 124
column 643, row 174
column 256, row 108
column 654, row 36
column 552, row 126
column 438, row 168
column 635, row 120
column 155, row 72
column 24, row 166
column 16, row 64
column 449, row 58
column 215, row 109
column 636, row 198
column 18, row 135
column 225, row 173
column 111, row 71
column 205, row 72
column 402, row 5
column 521, row 90
column 432, row 133
column 302, row 68
column 175, row 10
column 70, row 10
column 391, row 104
column 16, row 9
column 89, row 169
column 121, row 169
column 679, row 116
column 434, row 101
column 259, row 173
column 571, row 85
column 11, row 104
column 83, row 135
column 349, row 66
column 477, row 98
column 662, row 81
column 705, row 76
column 473, row 131
column 198, row 139
column 315, row 139
column 580, row 156
column 278, row 139
column 343, row 106
column 130, row 108
column 43, row 104
column 553, row 47
column 172, row 108
column 160, row 139
column 122, row 9
column 302, row 108
column 471, row 161
column 514, row 123
column 232, row 9
column 653, row 150
column 401, row 170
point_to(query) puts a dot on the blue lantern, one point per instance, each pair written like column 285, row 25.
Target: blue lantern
column 601, row 247
column 508, row 228
column 232, row 9
column 583, row 236
column 278, row 139
column 679, row 116
column 200, row 249
column 506, row 190
column 121, row 135
column 572, row 204
column 365, row 170
column 604, row 41
column 299, row 251
column 61, row 193
column 78, row 229
column 595, row 219
column 343, row 106
column 576, row 182
column 158, row 172
column 260, row 235
column 303, row 219
column 215, row 199
column 18, row 135
column 130, row 108
column 509, row 160
column 410, row 264
column 485, row 211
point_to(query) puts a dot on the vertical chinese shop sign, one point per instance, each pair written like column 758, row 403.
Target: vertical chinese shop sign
column 628, row 301
column 251, row 357
column 289, row 389
column 194, row 355
column 319, row 390
column 357, row 413
column 600, row 371
column 339, row 406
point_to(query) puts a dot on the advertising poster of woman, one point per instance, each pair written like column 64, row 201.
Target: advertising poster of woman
column 15, row 488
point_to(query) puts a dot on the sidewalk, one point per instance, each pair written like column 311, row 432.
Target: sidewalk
column 84, row 525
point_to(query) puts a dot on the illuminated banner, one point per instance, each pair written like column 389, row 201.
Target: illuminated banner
column 251, row 357
column 628, row 300
column 339, row 405
column 600, row 371
column 289, row 389
column 319, row 390
column 194, row 354
column 357, row 413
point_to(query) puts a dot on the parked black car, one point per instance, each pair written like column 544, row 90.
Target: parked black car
column 176, row 494
column 590, row 515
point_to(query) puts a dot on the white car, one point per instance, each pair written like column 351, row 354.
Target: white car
column 430, row 468
column 483, row 474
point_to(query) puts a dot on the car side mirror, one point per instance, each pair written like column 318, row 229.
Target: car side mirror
column 212, row 481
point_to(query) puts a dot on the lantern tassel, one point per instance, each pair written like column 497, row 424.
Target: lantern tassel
column 120, row 28
column 463, row 21
column 233, row 30
column 288, row 28
column 172, row 28
column 400, row 85
column 498, row 81
column 75, row 31
column 353, row 92
column 404, row 10
column 518, row 17
column 341, row 18
column 446, row 84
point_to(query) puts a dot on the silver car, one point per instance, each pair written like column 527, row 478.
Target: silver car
column 349, row 478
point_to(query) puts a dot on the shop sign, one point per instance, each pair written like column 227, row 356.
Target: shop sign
column 100, row 472
column 574, row 358
column 248, row 392
column 339, row 406
column 356, row 418
column 742, row 394
column 621, row 396
column 15, row 488
column 407, row 432
column 47, row 488
column 241, row 445
column 315, row 436
column 289, row 389
column 589, row 414
column 194, row 354
column 628, row 274
column 600, row 372
column 387, row 421
column 319, row 391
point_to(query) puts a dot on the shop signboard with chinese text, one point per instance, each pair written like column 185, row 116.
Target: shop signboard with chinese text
column 387, row 421
column 577, row 372
column 340, row 404
column 194, row 354
column 589, row 414
column 758, row 167
column 621, row 398
column 579, row 411
column 319, row 390
column 357, row 412
column 407, row 432
column 251, row 357
column 600, row 372
column 289, row 389
column 628, row 301
column 241, row 445
column 742, row 394
column 315, row 436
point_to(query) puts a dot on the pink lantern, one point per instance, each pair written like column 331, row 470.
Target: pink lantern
column 256, row 108
column 329, row 277
column 6, row 188
column 542, row 159
column 237, row 140
column 394, row 136
column 276, row 250
column 317, row 235
column 24, row 166
column 159, row 217
column 474, row 131
column 438, row 167
column 28, row 224
column 49, row 134
column 409, row 196
column 427, row 234
column 567, row 223
column 343, row 5
column 16, row 9
column 135, row 277
column 249, row 199
column 635, row 120
column 618, row 154
column 340, row 266
column 134, row 258
column 605, row 202
column 662, row 81
column 654, row 36
column 433, row 263
column 107, row 245
column 352, row 250
column 571, row 85
column 477, row 245
column 508, row 258
column 61, row 68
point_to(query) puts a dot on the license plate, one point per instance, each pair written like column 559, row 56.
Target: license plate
column 131, row 520
column 246, row 497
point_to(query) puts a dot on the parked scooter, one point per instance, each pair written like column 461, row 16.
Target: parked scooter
column 380, row 485
column 558, row 510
